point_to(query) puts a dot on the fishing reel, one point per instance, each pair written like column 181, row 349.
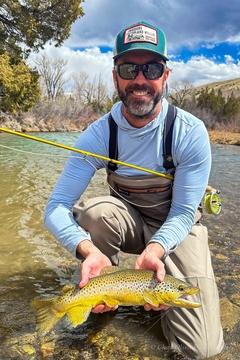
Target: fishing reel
column 212, row 202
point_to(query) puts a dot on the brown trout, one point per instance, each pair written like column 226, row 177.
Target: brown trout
column 125, row 287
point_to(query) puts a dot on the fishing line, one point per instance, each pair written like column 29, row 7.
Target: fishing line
column 212, row 201
column 159, row 317
column 84, row 159
column 48, row 154
column 32, row 153
column 87, row 153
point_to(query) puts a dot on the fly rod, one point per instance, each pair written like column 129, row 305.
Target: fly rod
column 86, row 153
column 212, row 201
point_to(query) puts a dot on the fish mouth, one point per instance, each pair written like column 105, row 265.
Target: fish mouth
column 189, row 302
column 192, row 291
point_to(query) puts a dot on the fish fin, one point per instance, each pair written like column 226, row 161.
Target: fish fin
column 78, row 314
column 110, row 302
column 47, row 314
column 151, row 299
column 111, row 269
column 185, row 303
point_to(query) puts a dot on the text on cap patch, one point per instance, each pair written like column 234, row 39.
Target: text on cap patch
column 140, row 33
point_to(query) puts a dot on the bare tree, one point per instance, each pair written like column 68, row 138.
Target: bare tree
column 52, row 75
column 101, row 93
column 181, row 93
column 80, row 83
column 94, row 93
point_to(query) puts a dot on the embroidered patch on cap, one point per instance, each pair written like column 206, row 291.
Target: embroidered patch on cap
column 140, row 33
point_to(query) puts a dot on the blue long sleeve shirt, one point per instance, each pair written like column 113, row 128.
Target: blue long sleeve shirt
column 143, row 147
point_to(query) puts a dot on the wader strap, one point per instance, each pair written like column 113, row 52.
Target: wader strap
column 113, row 146
column 167, row 137
column 167, row 140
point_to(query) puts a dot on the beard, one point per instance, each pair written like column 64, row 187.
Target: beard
column 140, row 108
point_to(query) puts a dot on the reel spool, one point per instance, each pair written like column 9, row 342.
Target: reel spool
column 212, row 202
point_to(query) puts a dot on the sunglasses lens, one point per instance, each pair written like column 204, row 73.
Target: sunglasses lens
column 127, row 71
column 151, row 71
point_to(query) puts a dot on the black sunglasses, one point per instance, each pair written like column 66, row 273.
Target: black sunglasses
column 151, row 71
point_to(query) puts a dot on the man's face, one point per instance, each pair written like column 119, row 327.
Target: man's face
column 140, row 96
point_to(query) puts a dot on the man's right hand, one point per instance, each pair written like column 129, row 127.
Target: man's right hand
column 95, row 261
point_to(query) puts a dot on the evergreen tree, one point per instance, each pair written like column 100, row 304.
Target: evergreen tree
column 19, row 89
column 32, row 23
column 231, row 107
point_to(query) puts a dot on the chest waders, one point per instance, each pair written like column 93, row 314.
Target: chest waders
column 151, row 195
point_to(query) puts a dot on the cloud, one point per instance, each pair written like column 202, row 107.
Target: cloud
column 90, row 61
column 228, row 59
column 198, row 70
column 186, row 23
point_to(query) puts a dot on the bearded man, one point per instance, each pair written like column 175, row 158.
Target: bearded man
column 155, row 217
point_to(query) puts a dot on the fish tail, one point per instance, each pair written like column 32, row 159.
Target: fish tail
column 79, row 314
column 47, row 314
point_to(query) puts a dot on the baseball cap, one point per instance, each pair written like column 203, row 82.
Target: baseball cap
column 141, row 36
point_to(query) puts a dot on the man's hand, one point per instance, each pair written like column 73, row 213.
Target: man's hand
column 150, row 259
column 95, row 261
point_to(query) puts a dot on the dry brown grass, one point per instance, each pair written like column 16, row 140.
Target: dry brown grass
column 224, row 137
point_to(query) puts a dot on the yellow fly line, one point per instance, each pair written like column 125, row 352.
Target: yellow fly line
column 86, row 153
column 212, row 201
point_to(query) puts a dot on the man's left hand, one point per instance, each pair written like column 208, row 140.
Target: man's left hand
column 150, row 259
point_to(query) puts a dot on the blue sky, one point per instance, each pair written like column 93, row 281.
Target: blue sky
column 220, row 52
column 203, row 37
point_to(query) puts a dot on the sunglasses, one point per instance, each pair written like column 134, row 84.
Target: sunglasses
column 151, row 71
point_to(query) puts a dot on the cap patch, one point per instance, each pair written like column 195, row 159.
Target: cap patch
column 140, row 33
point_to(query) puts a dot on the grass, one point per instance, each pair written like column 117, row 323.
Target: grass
column 224, row 137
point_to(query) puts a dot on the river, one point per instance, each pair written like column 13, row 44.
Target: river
column 32, row 263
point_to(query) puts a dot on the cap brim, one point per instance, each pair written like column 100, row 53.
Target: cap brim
column 140, row 48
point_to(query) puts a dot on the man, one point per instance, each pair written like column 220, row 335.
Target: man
column 152, row 216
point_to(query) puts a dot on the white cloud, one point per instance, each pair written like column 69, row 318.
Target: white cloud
column 198, row 70
column 90, row 61
column 184, row 22
column 234, row 38
column 228, row 59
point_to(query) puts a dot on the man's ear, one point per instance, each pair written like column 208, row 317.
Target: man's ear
column 166, row 75
column 114, row 75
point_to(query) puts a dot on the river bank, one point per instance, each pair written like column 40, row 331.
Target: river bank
column 30, row 124
column 224, row 137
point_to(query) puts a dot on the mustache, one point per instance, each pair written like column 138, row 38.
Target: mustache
column 136, row 87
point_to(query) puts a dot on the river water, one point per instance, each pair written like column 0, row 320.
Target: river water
column 32, row 263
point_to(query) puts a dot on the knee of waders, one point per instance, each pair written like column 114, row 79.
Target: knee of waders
column 97, row 218
column 203, row 349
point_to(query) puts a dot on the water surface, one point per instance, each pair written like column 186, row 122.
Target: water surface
column 32, row 263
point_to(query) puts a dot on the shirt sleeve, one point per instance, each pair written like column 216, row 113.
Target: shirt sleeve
column 190, row 182
column 77, row 173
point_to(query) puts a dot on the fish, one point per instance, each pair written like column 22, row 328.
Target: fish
column 113, row 287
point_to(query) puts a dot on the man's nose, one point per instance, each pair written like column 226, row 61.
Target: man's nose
column 140, row 78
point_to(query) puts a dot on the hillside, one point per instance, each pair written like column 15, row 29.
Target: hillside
column 226, row 86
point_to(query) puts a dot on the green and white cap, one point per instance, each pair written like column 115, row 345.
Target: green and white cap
column 141, row 36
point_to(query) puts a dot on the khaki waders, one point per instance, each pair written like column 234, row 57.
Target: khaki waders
column 116, row 224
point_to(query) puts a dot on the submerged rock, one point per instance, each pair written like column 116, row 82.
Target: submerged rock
column 230, row 314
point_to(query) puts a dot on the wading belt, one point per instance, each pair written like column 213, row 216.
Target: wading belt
column 167, row 140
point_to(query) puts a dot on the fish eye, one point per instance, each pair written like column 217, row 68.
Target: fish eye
column 180, row 287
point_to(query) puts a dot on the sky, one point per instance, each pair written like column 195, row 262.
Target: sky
column 203, row 38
